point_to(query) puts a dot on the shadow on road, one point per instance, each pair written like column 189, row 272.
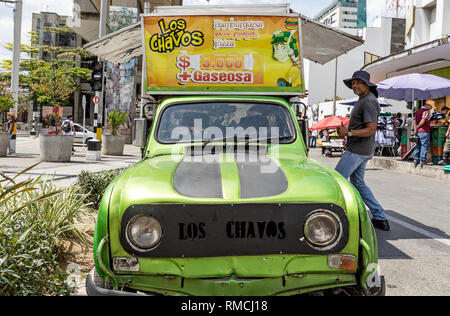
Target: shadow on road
column 399, row 231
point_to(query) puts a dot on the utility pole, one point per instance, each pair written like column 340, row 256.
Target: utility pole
column 16, row 60
column 335, row 87
column 16, row 54
column 144, row 67
column 98, row 110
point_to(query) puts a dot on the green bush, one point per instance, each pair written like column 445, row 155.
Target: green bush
column 93, row 185
column 34, row 216
column 115, row 119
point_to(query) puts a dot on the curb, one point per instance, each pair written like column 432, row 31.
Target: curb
column 433, row 172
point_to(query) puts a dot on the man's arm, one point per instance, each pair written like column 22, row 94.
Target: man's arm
column 448, row 131
column 369, row 130
column 421, row 123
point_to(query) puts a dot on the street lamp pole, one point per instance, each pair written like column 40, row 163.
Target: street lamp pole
column 16, row 54
column 16, row 61
column 335, row 87
column 98, row 110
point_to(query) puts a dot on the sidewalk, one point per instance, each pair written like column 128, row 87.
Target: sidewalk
column 65, row 174
column 390, row 163
column 395, row 164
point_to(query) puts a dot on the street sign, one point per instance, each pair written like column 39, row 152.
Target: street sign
column 96, row 100
column 83, row 102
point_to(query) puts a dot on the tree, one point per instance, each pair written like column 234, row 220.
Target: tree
column 6, row 99
column 54, row 81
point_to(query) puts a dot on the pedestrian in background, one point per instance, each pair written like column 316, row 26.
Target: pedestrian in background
column 446, row 158
column 399, row 117
column 325, row 140
column 397, row 132
column 68, row 128
column 361, row 142
column 12, row 130
column 313, row 139
column 422, row 129
column 409, row 123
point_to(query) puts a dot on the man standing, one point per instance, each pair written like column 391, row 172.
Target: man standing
column 422, row 129
column 361, row 142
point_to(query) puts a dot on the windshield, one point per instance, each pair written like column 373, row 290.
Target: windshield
column 205, row 122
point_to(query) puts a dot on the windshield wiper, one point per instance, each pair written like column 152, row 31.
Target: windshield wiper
column 247, row 139
column 269, row 139
column 225, row 139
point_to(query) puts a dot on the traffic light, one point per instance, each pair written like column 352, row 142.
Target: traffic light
column 97, row 76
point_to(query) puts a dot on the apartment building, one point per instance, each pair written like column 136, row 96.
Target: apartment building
column 428, row 20
column 344, row 14
column 427, row 39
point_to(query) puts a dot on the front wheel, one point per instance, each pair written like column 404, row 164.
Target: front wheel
column 376, row 291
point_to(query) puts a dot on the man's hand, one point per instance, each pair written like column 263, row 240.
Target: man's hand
column 342, row 130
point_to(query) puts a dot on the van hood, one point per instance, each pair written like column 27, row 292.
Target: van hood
column 228, row 178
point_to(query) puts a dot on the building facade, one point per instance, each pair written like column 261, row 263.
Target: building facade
column 427, row 37
column 428, row 20
column 379, row 41
column 344, row 14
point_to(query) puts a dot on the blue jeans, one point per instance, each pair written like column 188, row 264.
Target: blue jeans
column 9, row 143
column 421, row 149
column 354, row 166
column 313, row 141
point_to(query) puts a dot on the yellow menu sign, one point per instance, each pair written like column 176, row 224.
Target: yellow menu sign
column 223, row 54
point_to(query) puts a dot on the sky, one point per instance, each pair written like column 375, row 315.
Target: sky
column 308, row 8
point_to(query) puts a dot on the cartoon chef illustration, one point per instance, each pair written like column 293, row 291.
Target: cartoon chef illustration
column 285, row 48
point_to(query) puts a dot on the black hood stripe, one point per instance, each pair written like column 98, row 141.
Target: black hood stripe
column 198, row 179
column 260, row 176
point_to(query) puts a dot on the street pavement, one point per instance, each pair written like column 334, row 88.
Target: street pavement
column 63, row 174
column 415, row 254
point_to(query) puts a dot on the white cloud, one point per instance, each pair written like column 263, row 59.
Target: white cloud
column 375, row 8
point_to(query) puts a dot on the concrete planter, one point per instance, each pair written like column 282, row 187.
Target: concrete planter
column 43, row 131
column 4, row 140
column 113, row 145
column 56, row 148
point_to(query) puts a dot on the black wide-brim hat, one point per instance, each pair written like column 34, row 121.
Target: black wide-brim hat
column 364, row 76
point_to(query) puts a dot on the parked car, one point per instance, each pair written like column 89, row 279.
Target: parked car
column 81, row 132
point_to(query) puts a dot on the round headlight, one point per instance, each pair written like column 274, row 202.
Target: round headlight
column 321, row 229
column 144, row 232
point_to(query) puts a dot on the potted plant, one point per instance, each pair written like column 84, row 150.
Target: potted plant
column 50, row 124
column 4, row 141
column 114, row 144
column 6, row 102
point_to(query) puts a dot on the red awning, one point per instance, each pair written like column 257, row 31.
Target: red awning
column 330, row 122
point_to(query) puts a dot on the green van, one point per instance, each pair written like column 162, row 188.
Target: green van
column 227, row 202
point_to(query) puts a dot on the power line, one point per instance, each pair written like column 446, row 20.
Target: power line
column 396, row 8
